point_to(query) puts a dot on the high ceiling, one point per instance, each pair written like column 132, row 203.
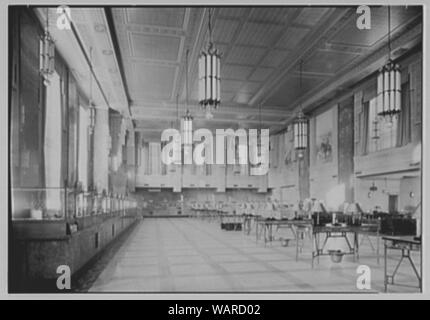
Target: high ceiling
column 261, row 51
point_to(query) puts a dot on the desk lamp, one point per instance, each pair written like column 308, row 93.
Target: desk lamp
column 318, row 208
column 353, row 210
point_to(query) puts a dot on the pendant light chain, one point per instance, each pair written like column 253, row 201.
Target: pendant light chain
column 47, row 19
column 301, row 83
column 186, row 77
column 210, row 27
column 91, row 76
column 389, row 33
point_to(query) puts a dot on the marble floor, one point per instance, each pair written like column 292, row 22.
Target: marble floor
column 190, row 255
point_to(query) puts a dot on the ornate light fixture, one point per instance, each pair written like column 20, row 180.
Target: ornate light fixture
column 389, row 84
column 300, row 126
column 187, row 128
column 209, row 76
column 187, row 120
column 46, row 53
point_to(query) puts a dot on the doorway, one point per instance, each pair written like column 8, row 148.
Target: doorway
column 393, row 201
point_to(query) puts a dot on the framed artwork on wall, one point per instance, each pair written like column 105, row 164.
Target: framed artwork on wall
column 325, row 134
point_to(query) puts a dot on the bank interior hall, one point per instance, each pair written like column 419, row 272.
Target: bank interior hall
column 215, row 149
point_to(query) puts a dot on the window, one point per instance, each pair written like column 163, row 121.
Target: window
column 154, row 158
column 52, row 145
column 83, row 147
column 382, row 134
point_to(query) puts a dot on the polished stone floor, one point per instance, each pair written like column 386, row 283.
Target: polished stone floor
column 190, row 255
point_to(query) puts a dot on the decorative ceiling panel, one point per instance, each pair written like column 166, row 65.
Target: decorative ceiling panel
column 229, row 71
column 292, row 37
column 274, row 58
column 245, row 55
column 290, row 91
column 151, row 81
column 259, row 34
column 232, row 12
column 261, row 74
column 163, row 17
column 227, row 96
column 155, row 47
column 250, row 87
column 224, row 30
column 230, row 85
column 351, row 35
column 327, row 61
column 278, row 15
column 310, row 16
column 255, row 42
column 243, row 97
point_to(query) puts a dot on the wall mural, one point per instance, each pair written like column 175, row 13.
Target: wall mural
column 324, row 137
column 289, row 152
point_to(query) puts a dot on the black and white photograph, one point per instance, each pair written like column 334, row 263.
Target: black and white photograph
column 214, row 148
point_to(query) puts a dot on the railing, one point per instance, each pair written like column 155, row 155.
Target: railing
column 67, row 203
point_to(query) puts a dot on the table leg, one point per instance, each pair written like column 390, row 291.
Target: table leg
column 377, row 248
column 415, row 269
column 313, row 248
column 356, row 246
column 265, row 234
column 270, row 233
column 385, row 267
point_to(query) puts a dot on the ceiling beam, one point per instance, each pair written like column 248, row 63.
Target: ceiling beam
column 201, row 117
column 117, row 52
column 141, row 111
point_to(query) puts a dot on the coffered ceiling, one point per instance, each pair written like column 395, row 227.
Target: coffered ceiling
column 261, row 51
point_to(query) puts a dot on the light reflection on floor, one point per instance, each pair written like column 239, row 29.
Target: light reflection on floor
column 189, row 255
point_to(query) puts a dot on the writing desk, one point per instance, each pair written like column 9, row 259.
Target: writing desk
column 235, row 219
column 266, row 227
column 248, row 220
column 334, row 232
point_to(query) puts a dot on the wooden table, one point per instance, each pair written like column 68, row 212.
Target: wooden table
column 406, row 244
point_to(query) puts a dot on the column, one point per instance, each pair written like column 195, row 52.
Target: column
column 101, row 148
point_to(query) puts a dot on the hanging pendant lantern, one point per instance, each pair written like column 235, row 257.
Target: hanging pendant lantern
column 389, row 84
column 209, row 74
column 187, row 128
column 47, row 53
column 389, row 90
column 300, row 127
